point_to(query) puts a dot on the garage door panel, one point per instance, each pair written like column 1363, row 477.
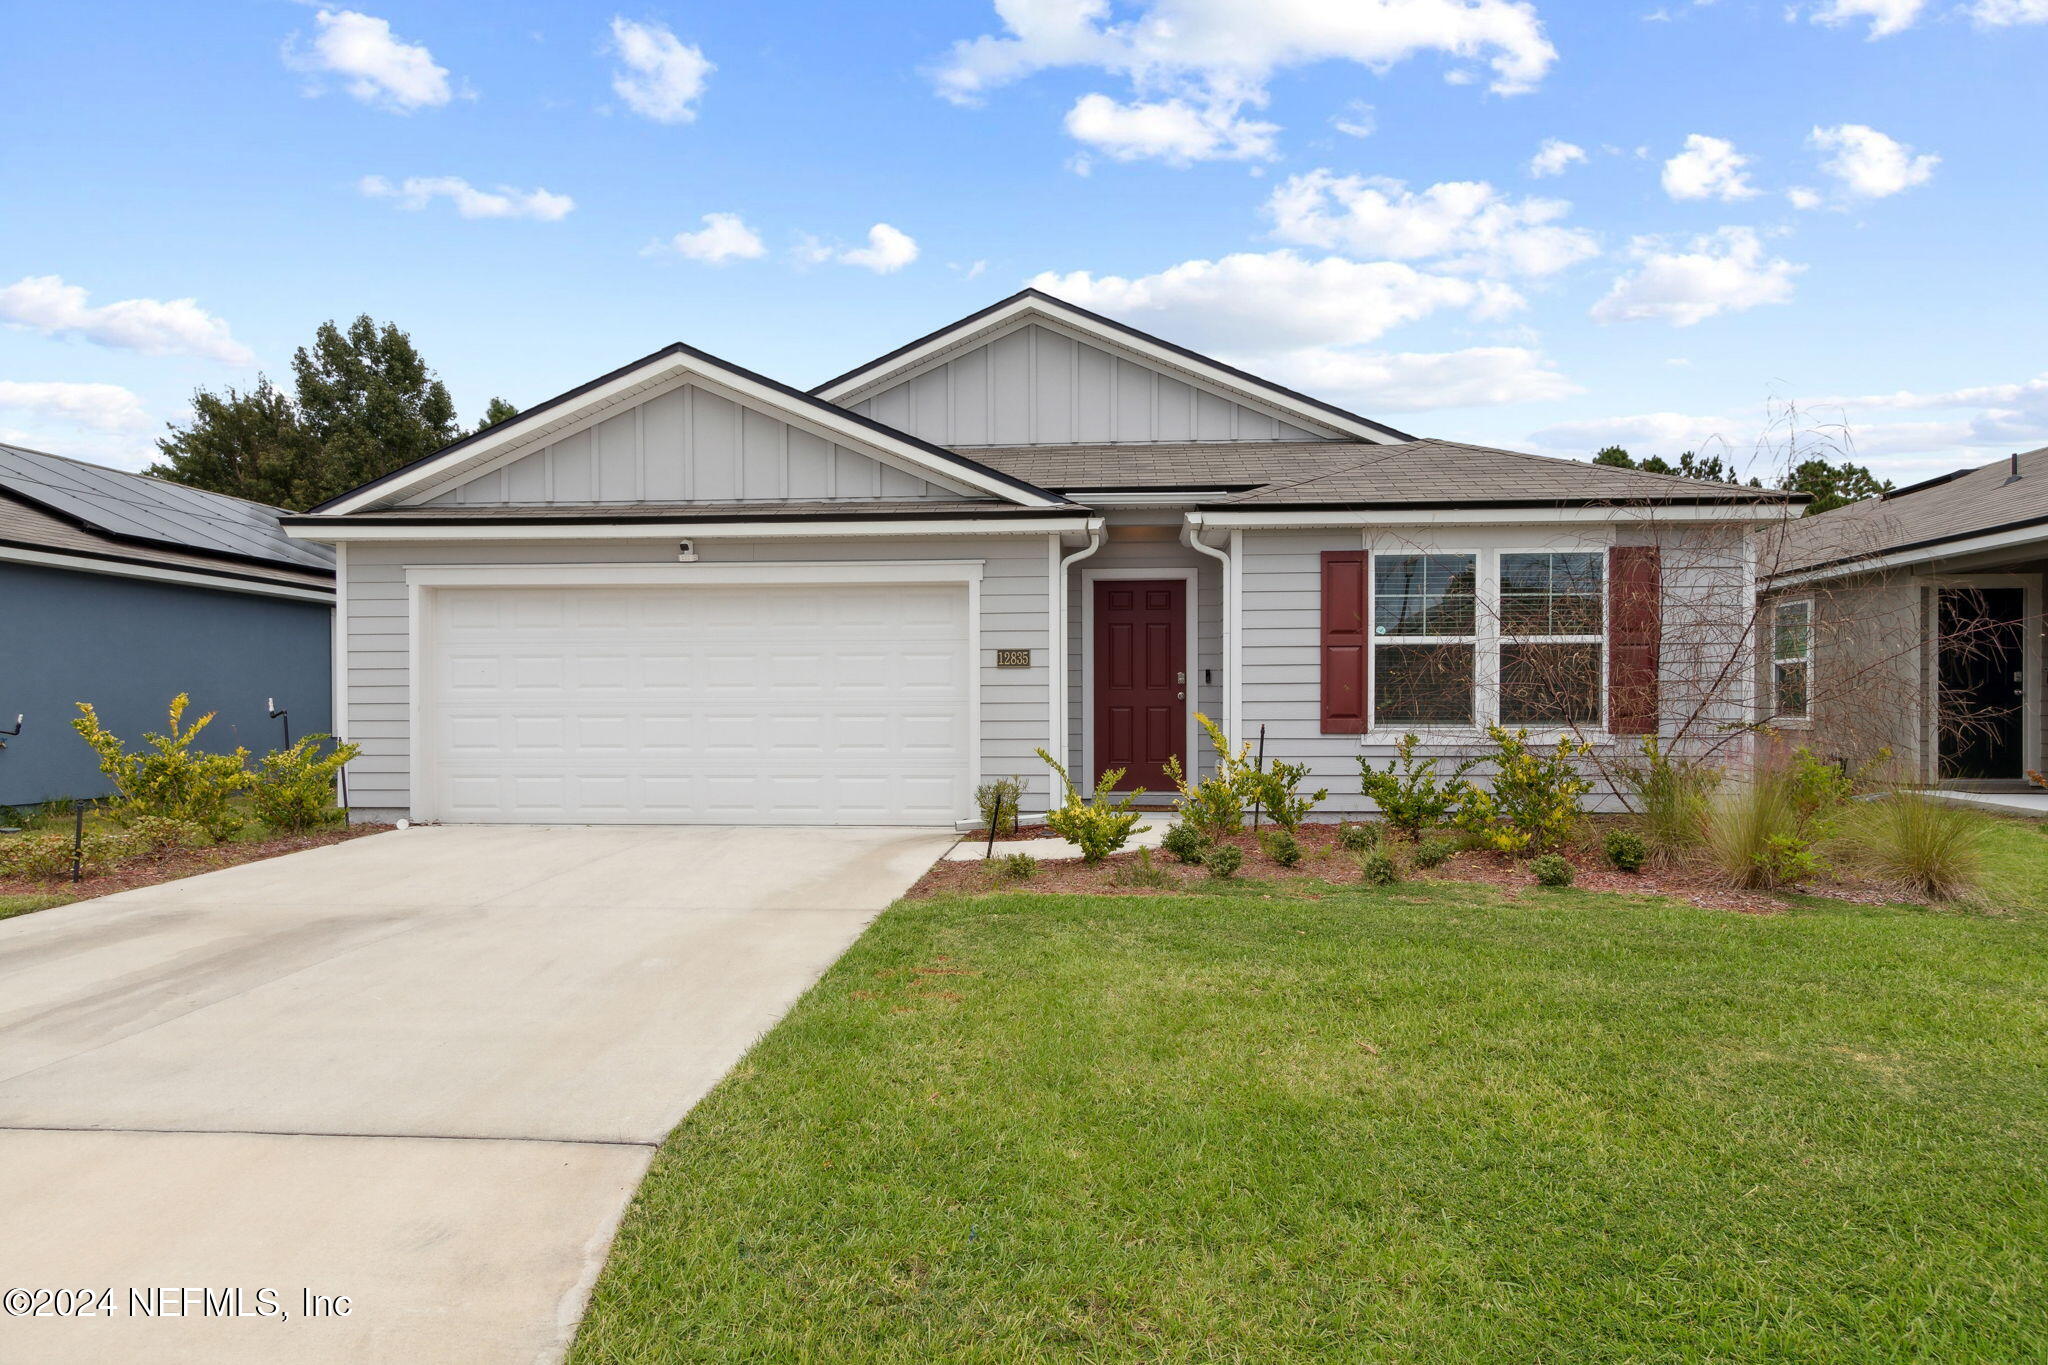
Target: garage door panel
column 839, row 704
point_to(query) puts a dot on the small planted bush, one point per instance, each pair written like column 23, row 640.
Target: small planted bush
column 1625, row 850
column 1379, row 868
column 1354, row 837
column 1433, row 852
column 1185, row 842
column 1532, row 804
column 169, row 777
column 1278, row 789
column 1410, row 795
column 998, row 803
column 1551, row 869
column 1224, row 860
column 1670, row 797
column 1214, row 806
column 47, row 857
column 1281, row 846
column 1098, row 824
column 1933, row 848
column 1011, row 867
column 1141, row 871
column 293, row 789
column 158, row 834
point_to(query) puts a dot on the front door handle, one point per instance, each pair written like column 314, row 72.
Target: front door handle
column 1180, row 696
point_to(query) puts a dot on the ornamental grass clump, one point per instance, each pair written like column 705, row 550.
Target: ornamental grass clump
column 1669, row 797
column 1098, row 824
column 1930, row 848
column 1355, row 837
column 1532, row 804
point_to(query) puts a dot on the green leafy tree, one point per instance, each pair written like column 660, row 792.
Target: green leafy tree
column 1615, row 457
column 496, row 411
column 247, row 444
column 1833, row 485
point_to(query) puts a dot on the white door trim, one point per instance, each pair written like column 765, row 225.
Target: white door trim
column 1089, row 578
column 422, row 581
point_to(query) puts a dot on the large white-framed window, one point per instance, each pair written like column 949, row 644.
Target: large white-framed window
column 1792, row 658
column 1463, row 638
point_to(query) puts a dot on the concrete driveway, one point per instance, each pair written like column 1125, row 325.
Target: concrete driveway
column 423, row 1071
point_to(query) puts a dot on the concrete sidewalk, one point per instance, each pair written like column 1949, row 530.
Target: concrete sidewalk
column 423, row 1071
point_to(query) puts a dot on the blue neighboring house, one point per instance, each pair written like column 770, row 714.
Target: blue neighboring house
column 123, row 590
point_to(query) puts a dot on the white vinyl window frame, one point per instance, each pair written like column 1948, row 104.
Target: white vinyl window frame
column 1597, row 639
column 1489, row 637
column 1802, row 657
column 1475, row 639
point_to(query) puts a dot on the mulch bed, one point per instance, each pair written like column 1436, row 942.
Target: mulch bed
column 189, row 862
column 1323, row 859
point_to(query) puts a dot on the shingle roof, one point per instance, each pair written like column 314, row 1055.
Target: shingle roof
column 1969, row 502
column 50, row 502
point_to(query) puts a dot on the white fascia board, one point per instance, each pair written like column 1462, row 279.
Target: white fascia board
column 800, row 572
column 630, row 387
column 1479, row 516
column 1238, row 388
column 686, row 530
column 152, row 573
column 1926, row 554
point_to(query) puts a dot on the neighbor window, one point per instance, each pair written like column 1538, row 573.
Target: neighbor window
column 1791, row 658
column 1425, row 638
column 1551, row 641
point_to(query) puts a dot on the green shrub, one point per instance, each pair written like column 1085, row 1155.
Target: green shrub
column 1379, row 868
column 1278, row 790
column 170, row 779
column 1933, row 848
column 1433, row 852
column 1354, row 837
column 1625, row 850
column 998, row 803
column 1011, row 867
column 1140, row 871
column 1669, row 796
column 1410, row 796
column 47, row 857
column 293, row 789
column 1281, row 846
column 1215, row 805
column 155, row 834
column 1185, row 842
column 1099, row 824
column 1552, row 870
column 1532, row 804
column 1224, row 860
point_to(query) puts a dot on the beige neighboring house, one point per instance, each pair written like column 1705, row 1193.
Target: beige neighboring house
column 1913, row 622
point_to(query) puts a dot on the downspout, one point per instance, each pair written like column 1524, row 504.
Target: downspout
column 1059, row 661
column 1190, row 536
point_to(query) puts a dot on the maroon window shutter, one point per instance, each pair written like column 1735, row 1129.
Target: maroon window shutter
column 1344, row 641
column 1634, row 621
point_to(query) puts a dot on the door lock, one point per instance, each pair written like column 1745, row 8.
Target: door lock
column 1180, row 677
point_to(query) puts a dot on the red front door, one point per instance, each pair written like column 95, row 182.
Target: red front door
column 1141, row 679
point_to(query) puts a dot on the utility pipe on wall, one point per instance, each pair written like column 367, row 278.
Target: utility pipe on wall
column 1191, row 536
column 1059, row 662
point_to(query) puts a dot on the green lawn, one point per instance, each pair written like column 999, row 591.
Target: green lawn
column 1420, row 1125
column 26, row 902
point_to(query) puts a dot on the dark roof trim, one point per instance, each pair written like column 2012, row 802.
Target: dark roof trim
column 143, row 542
column 1937, row 481
column 199, row 570
column 1909, row 546
column 1158, row 487
column 879, row 361
column 678, row 519
column 1441, row 504
column 678, row 348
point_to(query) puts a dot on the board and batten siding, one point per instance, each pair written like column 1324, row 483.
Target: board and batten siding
column 1706, row 590
column 690, row 445
column 1015, row 614
column 1037, row 386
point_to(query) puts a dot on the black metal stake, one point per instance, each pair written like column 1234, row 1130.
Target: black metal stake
column 77, row 838
column 1258, row 766
column 285, row 716
column 995, row 818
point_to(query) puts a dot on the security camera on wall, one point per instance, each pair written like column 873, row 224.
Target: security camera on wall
column 686, row 551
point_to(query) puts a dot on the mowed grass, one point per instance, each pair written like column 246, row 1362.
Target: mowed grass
column 1427, row 1124
column 29, row 902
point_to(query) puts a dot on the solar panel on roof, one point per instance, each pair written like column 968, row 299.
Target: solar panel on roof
column 139, row 508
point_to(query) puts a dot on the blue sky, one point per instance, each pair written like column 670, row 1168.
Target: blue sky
column 1835, row 203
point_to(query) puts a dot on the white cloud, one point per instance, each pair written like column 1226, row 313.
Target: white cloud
column 1380, row 382
column 1708, row 168
column 888, row 250
column 1643, row 433
column 1804, row 197
column 1218, row 55
column 1554, row 156
column 417, row 191
column 659, row 77
column 1869, row 165
column 2012, row 415
column 1278, row 300
column 724, row 237
column 1464, row 225
column 1356, row 119
column 1172, row 130
column 374, row 64
column 1886, row 16
column 2005, row 13
column 101, row 407
column 152, row 326
column 1723, row 272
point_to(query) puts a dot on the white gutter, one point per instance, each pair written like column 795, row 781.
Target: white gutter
column 122, row 569
column 1926, row 554
column 1060, row 677
column 574, row 529
column 1491, row 516
column 1190, row 536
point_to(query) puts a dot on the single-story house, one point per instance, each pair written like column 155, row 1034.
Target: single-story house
column 684, row 592
column 1913, row 622
column 123, row 591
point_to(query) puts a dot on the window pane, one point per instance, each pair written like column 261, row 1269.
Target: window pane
column 1423, row 594
column 1422, row 684
column 1549, row 684
column 1794, row 621
column 1551, row 593
column 1791, row 691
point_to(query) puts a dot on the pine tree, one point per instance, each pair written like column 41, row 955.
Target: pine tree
column 249, row 445
column 1833, row 485
column 496, row 411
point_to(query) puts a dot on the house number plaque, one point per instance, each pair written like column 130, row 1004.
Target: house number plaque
column 1013, row 658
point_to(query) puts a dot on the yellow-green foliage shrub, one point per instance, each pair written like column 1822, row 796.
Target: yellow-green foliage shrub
column 1533, row 803
column 169, row 777
column 294, row 788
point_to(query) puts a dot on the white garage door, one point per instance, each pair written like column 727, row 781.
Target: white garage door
column 706, row 704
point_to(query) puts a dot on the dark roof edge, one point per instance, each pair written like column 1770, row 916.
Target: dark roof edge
column 676, row 519
column 683, row 348
column 1128, row 330
column 144, row 542
column 1928, row 544
column 1441, row 504
column 198, row 569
